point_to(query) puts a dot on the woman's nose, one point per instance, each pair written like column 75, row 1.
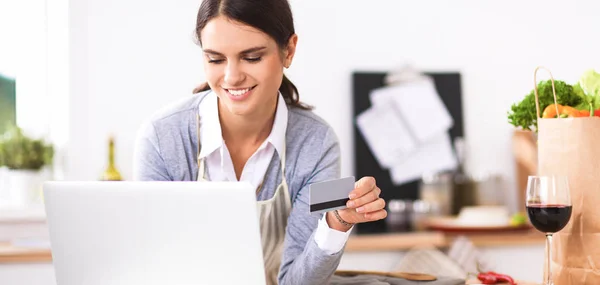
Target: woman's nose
column 233, row 75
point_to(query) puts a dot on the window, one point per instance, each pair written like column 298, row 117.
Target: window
column 33, row 66
column 7, row 101
column 8, row 65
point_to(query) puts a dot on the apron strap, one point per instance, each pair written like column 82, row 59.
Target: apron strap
column 198, row 139
column 282, row 160
column 201, row 168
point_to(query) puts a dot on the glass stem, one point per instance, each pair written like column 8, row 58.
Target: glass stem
column 548, row 260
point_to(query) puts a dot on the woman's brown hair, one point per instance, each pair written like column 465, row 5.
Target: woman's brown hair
column 273, row 17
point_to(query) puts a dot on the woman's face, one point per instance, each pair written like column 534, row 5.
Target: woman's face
column 243, row 66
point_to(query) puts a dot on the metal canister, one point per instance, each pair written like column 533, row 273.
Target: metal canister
column 437, row 191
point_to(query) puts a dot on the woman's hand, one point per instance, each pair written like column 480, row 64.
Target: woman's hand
column 364, row 206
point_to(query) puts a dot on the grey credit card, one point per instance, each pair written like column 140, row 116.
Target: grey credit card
column 330, row 195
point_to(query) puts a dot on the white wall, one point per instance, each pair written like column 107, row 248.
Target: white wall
column 128, row 58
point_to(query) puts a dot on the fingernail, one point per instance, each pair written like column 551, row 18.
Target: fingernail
column 350, row 204
column 360, row 209
column 352, row 196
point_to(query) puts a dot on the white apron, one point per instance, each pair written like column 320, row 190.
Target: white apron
column 272, row 215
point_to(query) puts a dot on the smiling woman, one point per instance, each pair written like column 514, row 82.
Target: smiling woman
column 245, row 72
column 246, row 123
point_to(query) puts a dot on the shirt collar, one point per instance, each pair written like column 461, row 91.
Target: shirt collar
column 277, row 135
column 210, row 127
column 211, row 137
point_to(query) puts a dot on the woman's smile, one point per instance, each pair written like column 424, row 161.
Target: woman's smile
column 239, row 94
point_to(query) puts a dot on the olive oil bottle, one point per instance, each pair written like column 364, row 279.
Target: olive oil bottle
column 111, row 173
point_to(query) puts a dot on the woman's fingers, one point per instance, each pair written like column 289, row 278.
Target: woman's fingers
column 367, row 198
column 371, row 212
column 375, row 216
column 364, row 204
column 372, row 207
column 362, row 187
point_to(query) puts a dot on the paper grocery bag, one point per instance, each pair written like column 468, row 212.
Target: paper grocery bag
column 571, row 147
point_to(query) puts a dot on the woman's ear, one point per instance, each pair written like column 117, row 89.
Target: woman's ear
column 290, row 50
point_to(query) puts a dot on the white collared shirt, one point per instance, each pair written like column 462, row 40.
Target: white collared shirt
column 220, row 166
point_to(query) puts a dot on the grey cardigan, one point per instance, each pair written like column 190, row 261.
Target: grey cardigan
column 166, row 149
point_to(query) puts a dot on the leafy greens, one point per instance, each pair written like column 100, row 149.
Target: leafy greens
column 523, row 114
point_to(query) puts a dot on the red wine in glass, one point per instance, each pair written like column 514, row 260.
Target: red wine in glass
column 549, row 218
column 549, row 209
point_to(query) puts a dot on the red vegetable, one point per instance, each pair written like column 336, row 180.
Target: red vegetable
column 491, row 277
column 487, row 278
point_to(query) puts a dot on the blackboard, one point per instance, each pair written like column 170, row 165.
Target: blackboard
column 448, row 86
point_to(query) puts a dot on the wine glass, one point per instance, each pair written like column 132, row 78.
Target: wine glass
column 549, row 209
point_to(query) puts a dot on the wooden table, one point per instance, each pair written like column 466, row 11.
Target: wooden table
column 12, row 254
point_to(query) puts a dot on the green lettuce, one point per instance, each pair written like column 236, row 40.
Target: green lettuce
column 588, row 88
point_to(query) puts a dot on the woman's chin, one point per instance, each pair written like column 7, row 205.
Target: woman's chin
column 239, row 109
column 248, row 107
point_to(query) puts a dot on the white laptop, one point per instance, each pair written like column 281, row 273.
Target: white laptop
column 149, row 233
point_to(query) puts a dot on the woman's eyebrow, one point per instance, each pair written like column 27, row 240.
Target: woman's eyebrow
column 246, row 51
column 251, row 50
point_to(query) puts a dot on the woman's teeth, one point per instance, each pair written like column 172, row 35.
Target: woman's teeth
column 238, row 92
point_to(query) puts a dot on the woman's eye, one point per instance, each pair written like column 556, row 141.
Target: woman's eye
column 253, row 59
column 215, row 61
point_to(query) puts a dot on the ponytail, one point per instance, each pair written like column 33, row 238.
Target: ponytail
column 200, row 88
column 290, row 94
column 288, row 91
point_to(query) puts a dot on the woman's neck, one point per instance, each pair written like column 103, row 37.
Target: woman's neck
column 252, row 130
column 244, row 134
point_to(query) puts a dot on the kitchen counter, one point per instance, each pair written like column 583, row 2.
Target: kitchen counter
column 356, row 243
column 517, row 253
column 13, row 254
column 405, row 241
column 363, row 252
